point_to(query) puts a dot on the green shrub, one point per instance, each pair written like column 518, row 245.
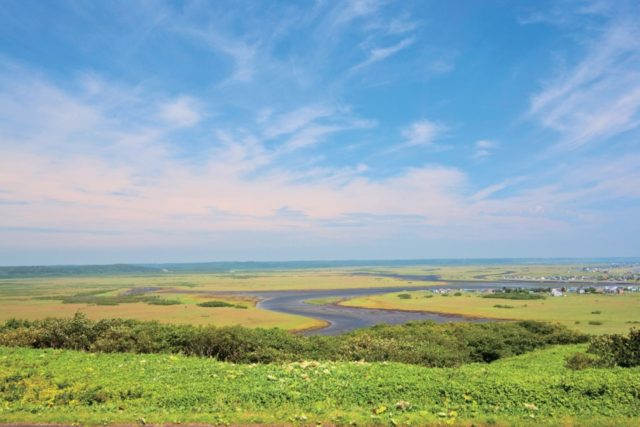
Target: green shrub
column 162, row 301
column 503, row 306
column 616, row 349
column 595, row 322
column 215, row 303
column 96, row 297
column 580, row 361
column 404, row 296
column 514, row 295
column 422, row 343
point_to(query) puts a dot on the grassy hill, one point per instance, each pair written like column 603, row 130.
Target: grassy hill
column 533, row 389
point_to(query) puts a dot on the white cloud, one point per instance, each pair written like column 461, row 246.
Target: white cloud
column 483, row 149
column 310, row 135
column 422, row 133
column 306, row 126
column 345, row 12
column 600, row 97
column 242, row 53
column 402, row 25
column 295, row 120
column 118, row 184
column 181, row 112
column 381, row 53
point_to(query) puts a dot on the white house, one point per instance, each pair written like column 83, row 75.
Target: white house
column 556, row 292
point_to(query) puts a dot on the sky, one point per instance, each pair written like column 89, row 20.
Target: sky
column 135, row 131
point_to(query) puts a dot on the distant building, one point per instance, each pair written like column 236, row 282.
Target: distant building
column 556, row 292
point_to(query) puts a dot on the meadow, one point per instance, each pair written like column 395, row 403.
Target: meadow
column 63, row 386
column 41, row 297
column 101, row 292
column 589, row 313
column 180, row 370
column 186, row 311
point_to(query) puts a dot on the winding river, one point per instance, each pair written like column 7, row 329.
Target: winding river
column 343, row 319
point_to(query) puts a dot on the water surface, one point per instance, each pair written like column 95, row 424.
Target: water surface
column 343, row 319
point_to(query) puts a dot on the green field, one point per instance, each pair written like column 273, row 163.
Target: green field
column 63, row 386
column 28, row 293
column 533, row 389
column 41, row 297
column 616, row 313
column 187, row 311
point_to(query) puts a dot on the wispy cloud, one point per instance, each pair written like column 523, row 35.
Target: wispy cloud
column 422, row 133
column 483, row 149
column 345, row 12
column 402, row 24
column 278, row 129
column 292, row 121
column 242, row 53
column 83, row 189
column 306, row 126
column 381, row 53
column 181, row 112
column 600, row 97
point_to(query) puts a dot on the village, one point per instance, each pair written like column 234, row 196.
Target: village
column 596, row 275
column 593, row 288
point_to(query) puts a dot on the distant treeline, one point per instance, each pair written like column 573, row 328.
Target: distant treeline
column 74, row 270
column 421, row 343
column 517, row 295
column 230, row 266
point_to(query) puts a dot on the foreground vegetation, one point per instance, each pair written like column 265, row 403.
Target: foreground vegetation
column 609, row 351
column 589, row 313
column 421, row 343
column 141, row 371
column 65, row 386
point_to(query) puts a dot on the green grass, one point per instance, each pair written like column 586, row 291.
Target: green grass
column 514, row 296
column 533, row 389
column 218, row 304
column 96, row 291
column 614, row 312
column 503, row 306
column 323, row 301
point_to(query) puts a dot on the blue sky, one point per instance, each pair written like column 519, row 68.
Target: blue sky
column 197, row 131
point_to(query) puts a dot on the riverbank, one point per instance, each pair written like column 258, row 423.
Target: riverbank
column 590, row 313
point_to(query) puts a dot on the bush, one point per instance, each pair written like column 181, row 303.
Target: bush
column 215, row 303
column 162, row 301
column 616, row 349
column 595, row 322
column 404, row 296
column 580, row 361
column 422, row 343
column 519, row 295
